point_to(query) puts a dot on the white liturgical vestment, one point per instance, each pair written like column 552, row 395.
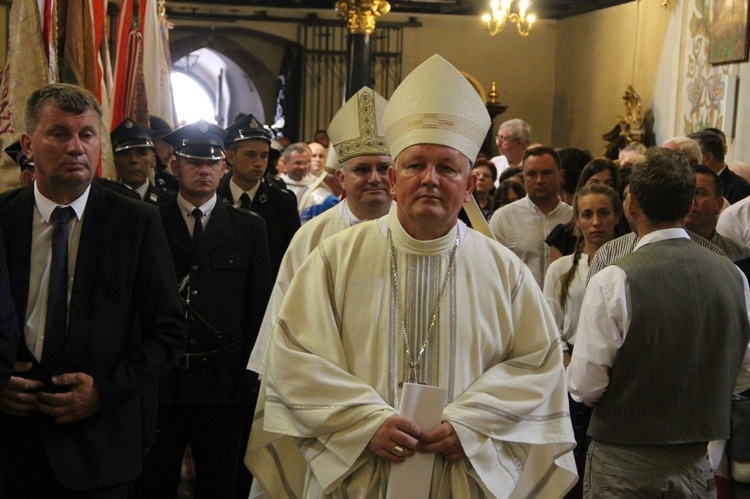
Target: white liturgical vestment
column 337, row 357
column 305, row 240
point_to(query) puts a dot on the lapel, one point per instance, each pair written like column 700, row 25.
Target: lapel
column 176, row 229
column 214, row 232
column 152, row 194
column 224, row 191
column 96, row 218
column 19, row 216
column 17, row 227
column 261, row 198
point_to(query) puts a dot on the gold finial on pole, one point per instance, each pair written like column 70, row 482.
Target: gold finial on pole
column 493, row 94
column 362, row 14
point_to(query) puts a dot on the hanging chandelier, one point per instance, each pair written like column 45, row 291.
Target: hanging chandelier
column 500, row 13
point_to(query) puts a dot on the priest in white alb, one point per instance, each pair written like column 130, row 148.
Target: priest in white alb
column 360, row 159
column 416, row 302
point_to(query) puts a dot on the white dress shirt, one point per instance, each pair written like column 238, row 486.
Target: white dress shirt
column 237, row 191
column 522, row 227
column 186, row 208
column 41, row 260
column 604, row 323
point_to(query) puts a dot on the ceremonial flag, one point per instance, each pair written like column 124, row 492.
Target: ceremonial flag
column 157, row 63
column 129, row 99
column 26, row 69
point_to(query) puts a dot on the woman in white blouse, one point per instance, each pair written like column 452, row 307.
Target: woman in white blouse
column 596, row 211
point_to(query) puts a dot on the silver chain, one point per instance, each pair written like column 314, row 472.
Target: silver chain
column 394, row 277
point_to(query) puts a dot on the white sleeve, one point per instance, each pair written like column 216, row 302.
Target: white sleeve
column 601, row 331
column 729, row 226
column 497, row 223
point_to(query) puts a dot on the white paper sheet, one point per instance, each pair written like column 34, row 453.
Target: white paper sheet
column 424, row 405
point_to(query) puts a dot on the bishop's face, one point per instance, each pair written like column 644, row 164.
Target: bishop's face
column 430, row 184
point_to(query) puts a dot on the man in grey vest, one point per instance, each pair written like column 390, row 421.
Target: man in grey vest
column 662, row 344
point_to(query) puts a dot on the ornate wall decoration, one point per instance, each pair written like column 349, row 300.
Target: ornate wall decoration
column 705, row 82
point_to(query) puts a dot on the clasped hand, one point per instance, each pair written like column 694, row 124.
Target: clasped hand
column 22, row 395
column 405, row 433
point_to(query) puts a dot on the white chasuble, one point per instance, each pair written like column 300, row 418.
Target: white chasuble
column 337, row 358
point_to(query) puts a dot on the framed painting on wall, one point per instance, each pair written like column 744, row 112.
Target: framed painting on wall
column 728, row 36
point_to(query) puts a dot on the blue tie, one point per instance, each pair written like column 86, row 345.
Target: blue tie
column 57, row 299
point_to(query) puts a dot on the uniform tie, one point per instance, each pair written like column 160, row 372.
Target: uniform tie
column 198, row 227
column 57, row 299
column 245, row 201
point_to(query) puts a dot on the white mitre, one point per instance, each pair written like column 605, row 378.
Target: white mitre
column 435, row 104
column 357, row 128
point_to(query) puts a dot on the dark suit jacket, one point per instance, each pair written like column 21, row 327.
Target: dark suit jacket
column 125, row 329
column 8, row 324
column 278, row 208
column 229, row 285
column 158, row 196
column 736, row 188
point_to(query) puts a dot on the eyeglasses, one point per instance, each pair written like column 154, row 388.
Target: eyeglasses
column 365, row 171
column 498, row 140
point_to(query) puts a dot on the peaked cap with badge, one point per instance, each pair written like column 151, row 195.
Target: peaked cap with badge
column 436, row 104
column 199, row 140
column 15, row 151
column 247, row 128
column 357, row 128
column 130, row 135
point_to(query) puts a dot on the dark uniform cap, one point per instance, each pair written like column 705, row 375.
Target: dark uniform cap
column 246, row 128
column 15, row 151
column 159, row 127
column 130, row 134
column 200, row 140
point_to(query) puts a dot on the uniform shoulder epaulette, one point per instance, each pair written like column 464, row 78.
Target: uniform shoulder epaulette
column 282, row 190
column 163, row 189
column 117, row 187
column 244, row 210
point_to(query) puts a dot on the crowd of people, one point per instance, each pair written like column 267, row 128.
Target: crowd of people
column 322, row 319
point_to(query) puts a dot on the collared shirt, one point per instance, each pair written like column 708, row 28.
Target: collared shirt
column 142, row 189
column 41, row 261
column 501, row 164
column 603, row 326
column 186, row 208
column 734, row 222
column 522, row 227
column 237, row 192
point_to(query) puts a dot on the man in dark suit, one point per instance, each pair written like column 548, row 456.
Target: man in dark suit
column 101, row 315
column 135, row 158
column 248, row 148
column 221, row 260
column 736, row 188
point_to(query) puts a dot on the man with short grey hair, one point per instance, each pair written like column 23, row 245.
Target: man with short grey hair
column 687, row 146
column 297, row 158
column 512, row 139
